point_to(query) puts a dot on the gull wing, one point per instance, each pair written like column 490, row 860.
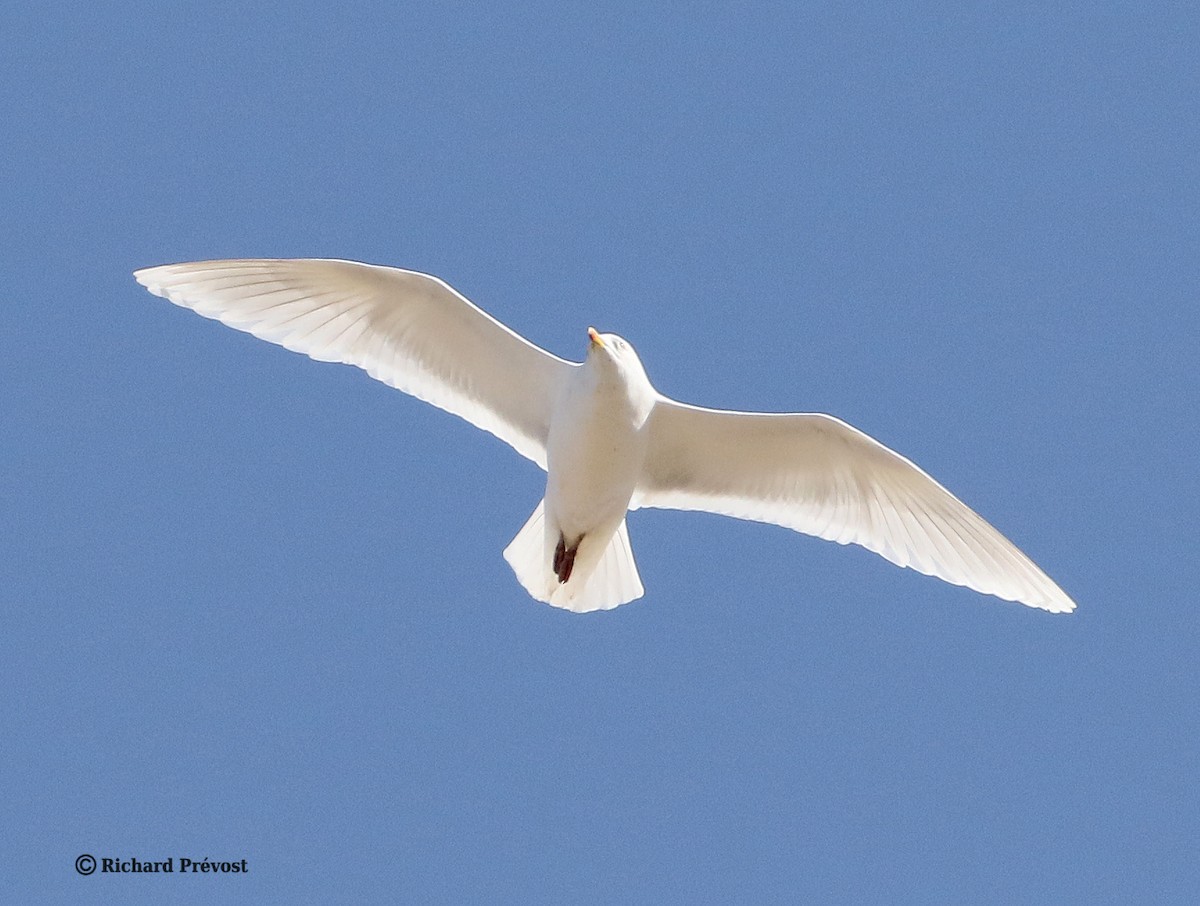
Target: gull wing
column 409, row 330
column 818, row 475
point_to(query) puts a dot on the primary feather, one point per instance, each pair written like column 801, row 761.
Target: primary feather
column 409, row 330
column 818, row 475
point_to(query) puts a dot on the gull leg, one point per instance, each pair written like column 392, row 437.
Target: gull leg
column 564, row 559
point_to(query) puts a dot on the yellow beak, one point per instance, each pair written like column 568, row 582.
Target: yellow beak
column 595, row 337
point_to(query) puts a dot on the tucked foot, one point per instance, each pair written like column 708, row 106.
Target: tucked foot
column 564, row 559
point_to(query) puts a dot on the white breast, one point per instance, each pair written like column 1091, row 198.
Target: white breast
column 595, row 452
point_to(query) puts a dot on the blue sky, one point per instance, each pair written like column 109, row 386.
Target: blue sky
column 255, row 607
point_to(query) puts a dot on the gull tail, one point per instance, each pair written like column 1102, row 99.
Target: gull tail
column 611, row 580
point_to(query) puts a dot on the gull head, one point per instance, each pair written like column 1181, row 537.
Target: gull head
column 609, row 347
column 615, row 357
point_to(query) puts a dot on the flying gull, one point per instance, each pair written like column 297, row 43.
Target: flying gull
column 607, row 440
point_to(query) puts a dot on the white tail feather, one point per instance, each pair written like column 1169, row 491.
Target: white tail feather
column 613, row 581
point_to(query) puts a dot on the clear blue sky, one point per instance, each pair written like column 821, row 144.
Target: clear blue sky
column 255, row 606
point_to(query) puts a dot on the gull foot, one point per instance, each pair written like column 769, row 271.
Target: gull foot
column 564, row 559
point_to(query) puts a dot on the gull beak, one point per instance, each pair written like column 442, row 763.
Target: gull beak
column 595, row 337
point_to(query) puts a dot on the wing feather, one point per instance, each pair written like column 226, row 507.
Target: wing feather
column 407, row 329
column 818, row 475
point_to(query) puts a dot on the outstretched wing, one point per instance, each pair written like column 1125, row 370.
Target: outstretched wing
column 818, row 475
column 409, row 330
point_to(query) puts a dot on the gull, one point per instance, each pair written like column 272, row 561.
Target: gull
column 607, row 440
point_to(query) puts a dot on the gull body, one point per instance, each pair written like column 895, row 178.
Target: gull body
column 595, row 453
column 608, row 441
